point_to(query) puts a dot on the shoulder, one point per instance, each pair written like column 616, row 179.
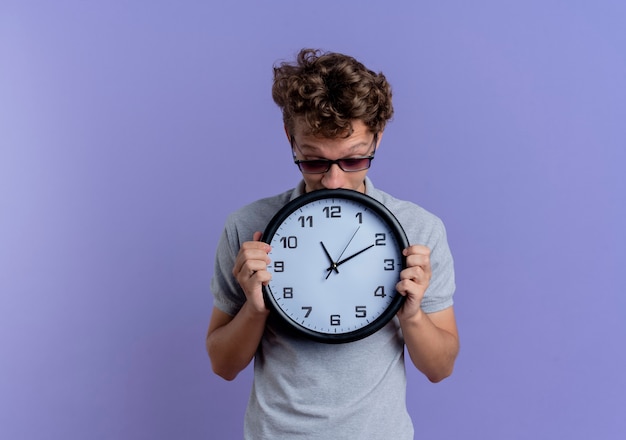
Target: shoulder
column 255, row 216
column 424, row 227
column 419, row 224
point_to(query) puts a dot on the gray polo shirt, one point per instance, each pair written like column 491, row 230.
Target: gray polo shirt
column 310, row 390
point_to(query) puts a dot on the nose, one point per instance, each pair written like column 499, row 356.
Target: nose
column 334, row 178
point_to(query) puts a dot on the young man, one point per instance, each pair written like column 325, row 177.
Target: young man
column 334, row 108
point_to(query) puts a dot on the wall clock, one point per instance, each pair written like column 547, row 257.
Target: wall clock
column 336, row 259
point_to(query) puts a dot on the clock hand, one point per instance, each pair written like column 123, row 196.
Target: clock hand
column 333, row 266
column 349, row 241
column 339, row 263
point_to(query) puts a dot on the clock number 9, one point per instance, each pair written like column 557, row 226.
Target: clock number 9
column 279, row 266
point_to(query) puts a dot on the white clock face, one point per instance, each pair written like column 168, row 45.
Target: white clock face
column 335, row 264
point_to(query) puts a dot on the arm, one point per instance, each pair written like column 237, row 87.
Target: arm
column 232, row 341
column 432, row 340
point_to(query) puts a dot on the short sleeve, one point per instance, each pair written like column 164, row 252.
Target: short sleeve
column 227, row 294
column 439, row 295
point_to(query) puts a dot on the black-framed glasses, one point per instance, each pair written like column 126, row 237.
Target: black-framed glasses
column 320, row 166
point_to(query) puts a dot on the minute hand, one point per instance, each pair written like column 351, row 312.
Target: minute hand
column 339, row 263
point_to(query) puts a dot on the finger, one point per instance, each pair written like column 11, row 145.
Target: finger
column 411, row 289
column 251, row 281
column 411, row 272
column 403, row 287
column 418, row 255
column 257, row 236
column 249, row 267
column 416, row 249
column 422, row 261
column 261, row 276
column 252, row 278
column 250, row 260
column 252, row 284
column 415, row 274
column 251, row 250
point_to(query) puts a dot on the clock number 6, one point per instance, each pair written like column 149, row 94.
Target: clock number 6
column 335, row 320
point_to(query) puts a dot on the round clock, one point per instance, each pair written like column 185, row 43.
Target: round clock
column 336, row 259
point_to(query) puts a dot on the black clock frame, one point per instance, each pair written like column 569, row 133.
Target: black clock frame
column 385, row 214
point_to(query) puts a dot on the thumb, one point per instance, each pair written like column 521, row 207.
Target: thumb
column 257, row 236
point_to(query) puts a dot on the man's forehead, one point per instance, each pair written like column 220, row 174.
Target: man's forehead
column 355, row 137
column 300, row 127
column 317, row 144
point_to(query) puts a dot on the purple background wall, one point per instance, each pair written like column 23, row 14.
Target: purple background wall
column 129, row 130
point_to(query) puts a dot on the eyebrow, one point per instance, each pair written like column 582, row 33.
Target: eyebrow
column 311, row 149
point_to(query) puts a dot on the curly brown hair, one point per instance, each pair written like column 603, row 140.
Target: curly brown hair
column 326, row 91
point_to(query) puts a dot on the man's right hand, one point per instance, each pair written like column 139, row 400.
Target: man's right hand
column 251, row 272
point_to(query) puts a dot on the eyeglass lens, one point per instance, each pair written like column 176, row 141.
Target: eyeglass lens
column 323, row 165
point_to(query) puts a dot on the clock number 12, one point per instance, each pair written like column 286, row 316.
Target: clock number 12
column 332, row 212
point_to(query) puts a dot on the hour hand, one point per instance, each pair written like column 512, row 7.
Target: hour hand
column 352, row 256
column 333, row 265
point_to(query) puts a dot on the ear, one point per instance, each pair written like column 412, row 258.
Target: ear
column 380, row 137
